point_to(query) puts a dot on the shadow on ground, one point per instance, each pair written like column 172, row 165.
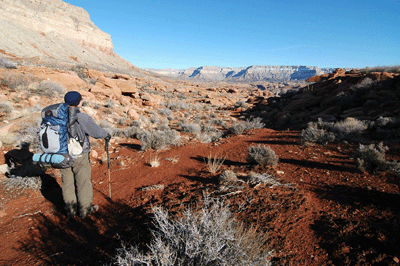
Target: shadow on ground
column 89, row 241
column 370, row 230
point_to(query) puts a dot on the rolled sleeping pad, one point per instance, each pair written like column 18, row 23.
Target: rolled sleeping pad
column 54, row 160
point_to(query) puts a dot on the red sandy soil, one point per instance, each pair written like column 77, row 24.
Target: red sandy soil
column 327, row 213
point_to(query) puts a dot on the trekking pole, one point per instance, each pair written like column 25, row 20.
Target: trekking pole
column 108, row 161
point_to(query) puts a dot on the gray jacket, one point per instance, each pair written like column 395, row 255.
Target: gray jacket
column 86, row 127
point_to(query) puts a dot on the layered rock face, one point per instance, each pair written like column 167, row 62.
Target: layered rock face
column 251, row 73
column 54, row 30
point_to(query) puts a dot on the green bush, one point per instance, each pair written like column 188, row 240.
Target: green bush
column 209, row 237
column 262, row 155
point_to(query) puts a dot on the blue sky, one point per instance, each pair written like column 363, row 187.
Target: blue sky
column 184, row 33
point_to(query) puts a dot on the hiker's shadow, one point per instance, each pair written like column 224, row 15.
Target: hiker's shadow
column 52, row 192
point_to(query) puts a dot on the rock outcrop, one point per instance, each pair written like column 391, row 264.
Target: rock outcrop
column 334, row 97
column 54, row 31
column 247, row 74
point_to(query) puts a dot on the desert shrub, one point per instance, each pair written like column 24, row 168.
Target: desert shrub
column 365, row 83
column 371, row 158
column 210, row 237
column 80, row 70
column 254, row 123
column 12, row 81
column 135, row 123
column 256, row 178
column 227, row 176
column 111, row 129
column 109, row 104
column 165, row 111
column 218, row 122
column 5, row 63
column 206, row 128
column 228, row 181
column 190, row 128
column 385, row 127
column 385, row 123
column 49, row 89
column 241, row 104
column 121, row 121
column 158, row 139
column 18, row 183
column 347, row 127
column 324, row 132
column 262, row 155
column 237, row 128
column 154, row 119
column 29, row 133
column 210, row 137
column 390, row 69
column 313, row 134
column 177, row 106
column 5, row 108
column 131, row 132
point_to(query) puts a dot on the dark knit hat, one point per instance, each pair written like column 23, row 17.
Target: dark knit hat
column 73, row 98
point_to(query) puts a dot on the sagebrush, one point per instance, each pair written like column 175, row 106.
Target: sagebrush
column 210, row 237
column 262, row 155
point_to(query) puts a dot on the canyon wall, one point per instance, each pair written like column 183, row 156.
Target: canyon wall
column 52, row 30
column 251, row 73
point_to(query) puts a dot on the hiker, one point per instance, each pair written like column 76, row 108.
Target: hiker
column 76, row 180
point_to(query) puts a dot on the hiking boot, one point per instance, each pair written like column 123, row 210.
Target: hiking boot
column 71, row 210
column 85, row 212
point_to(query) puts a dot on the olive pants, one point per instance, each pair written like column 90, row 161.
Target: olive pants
column 77, row 187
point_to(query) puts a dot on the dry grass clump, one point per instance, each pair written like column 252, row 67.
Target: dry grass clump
column 154, row 161
column 262, row 155
column 209, row 237
column 214, row 164
column 371, row 158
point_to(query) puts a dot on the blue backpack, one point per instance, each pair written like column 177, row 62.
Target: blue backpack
column 53, row 133
column 53, row 137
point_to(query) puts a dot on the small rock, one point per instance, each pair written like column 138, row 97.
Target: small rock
column 3, row 168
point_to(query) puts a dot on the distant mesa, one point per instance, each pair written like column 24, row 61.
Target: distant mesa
column 251, row 73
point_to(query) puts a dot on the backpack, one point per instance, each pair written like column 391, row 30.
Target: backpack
column 53, row 133
column 54, row 138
